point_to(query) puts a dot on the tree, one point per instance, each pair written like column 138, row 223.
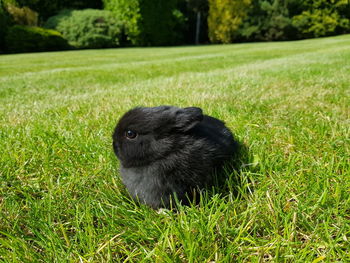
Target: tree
column 323, row 18
column 128, row 12
column 225, row 18
column 269, row 20
column 5, row 21
column 158, row 19
column 149, row 22
column 47, row 8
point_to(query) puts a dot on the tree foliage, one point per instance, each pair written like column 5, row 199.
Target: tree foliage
column 47, row 8
column 149, row 22
column 158, row 22
column 269, row 20
column 171, row 22
column 128, row 12
column 4, row 23
column 266, row 20
column 23, row 15
column 225, row 18
column 322, row 18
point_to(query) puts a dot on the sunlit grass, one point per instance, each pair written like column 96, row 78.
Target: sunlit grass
column 61, row 198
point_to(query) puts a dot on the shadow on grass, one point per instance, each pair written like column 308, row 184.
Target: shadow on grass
column 232, row 178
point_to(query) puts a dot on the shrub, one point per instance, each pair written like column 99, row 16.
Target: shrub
column 11, row 14
column 31, row 39
column 89, row 28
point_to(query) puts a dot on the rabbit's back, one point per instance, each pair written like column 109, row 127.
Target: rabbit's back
column 218, row 137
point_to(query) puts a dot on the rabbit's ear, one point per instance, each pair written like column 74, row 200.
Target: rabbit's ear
column 187, row 118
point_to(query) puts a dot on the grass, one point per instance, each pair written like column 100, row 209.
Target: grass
column 61, row 199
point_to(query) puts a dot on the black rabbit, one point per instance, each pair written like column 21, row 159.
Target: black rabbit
column 167, row 150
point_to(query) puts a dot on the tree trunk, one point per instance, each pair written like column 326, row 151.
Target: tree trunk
column 198, row 27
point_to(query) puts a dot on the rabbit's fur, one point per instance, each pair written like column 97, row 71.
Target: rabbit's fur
column 174, row 151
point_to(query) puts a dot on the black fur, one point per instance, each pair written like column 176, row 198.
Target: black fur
column 176, row 150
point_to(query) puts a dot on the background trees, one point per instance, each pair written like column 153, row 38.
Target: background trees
column 160, row 23
column 267, row 20
column 225, row 18
column 47, row 8
column 128, row 12
column 174, row 22
column 322, row 18
column 200, row 10
column 149, row 23
column 4, row 23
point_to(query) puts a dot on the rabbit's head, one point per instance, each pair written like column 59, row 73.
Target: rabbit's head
column 144, row 135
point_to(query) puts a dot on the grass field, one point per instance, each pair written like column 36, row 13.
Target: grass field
column 61, row 198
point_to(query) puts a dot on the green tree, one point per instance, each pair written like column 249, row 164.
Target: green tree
column 128, row 12
column 269, row 20
column 323, row 18
column 149, row 22
column 158, row 20
column 225, row 18
column 47, row 8
column 4, row 23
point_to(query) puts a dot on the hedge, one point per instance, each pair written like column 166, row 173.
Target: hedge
column 32, row 39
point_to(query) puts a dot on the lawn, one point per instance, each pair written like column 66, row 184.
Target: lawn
column 61, row 197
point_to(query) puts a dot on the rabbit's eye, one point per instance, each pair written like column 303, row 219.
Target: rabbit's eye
column 130, row 134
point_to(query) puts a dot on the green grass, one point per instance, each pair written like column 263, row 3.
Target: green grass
column 61, row 198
